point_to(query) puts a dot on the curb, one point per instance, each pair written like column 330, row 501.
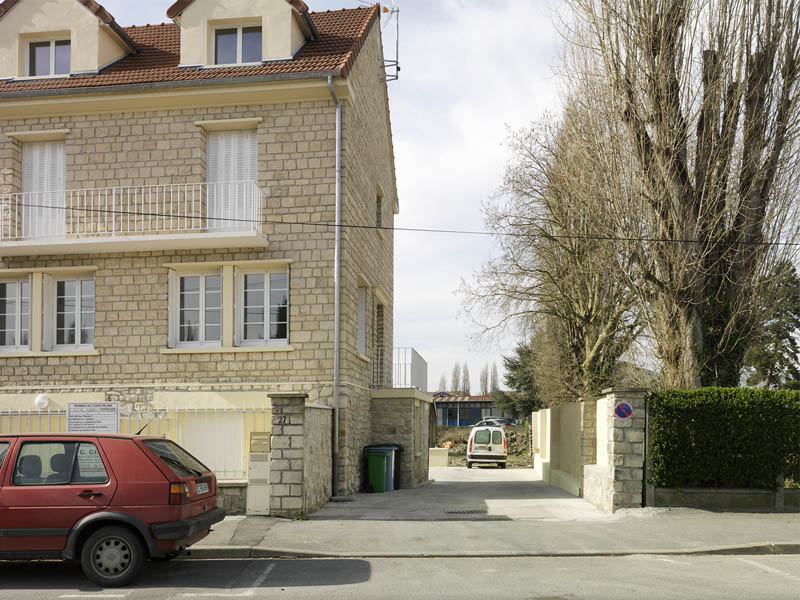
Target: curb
column 255, row 552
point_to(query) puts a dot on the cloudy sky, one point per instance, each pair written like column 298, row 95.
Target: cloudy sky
column 471, row 69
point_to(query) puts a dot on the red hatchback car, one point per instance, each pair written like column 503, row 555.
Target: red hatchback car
column 107, row 501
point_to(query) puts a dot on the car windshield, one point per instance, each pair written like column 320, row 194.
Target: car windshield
column 3, row 449
column 178, row 459
column 482, row 436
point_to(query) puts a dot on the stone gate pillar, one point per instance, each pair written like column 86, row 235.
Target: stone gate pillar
column 286, row 463
column 616, row 480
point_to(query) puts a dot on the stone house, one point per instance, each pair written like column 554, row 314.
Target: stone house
column 179, row 206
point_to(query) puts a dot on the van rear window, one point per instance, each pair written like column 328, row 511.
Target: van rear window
column 3, row 449
column 497, row 437
column 176, row 458
column 482, row 436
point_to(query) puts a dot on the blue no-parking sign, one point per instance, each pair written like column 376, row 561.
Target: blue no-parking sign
column 623, row 410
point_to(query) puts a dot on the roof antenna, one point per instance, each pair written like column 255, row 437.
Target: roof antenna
column 391, row 68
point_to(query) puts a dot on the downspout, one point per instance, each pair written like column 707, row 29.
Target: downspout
column 337, row 268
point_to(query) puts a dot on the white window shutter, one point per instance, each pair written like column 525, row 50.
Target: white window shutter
column 238, row 304
column 249, row 172
column 173, row 307
column 56, row 176
column 232, row 159
column 48, row 312
column 43, row 181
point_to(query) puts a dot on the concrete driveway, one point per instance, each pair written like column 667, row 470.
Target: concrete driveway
column 477, row 494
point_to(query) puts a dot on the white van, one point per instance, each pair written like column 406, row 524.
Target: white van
column 487, row 445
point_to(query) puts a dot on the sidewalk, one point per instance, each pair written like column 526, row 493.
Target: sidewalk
column 658, row 531
column 495, row 513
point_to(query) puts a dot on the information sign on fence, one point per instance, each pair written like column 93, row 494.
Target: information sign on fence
column 96, row 417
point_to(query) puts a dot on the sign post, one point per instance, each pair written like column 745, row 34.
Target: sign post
column 93, row 417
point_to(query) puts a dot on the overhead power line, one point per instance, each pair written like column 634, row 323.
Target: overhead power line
column 267, row 221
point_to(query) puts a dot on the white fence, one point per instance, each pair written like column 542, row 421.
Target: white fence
column 132, row 210
column 220, row 438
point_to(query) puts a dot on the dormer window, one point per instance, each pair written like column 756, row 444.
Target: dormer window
column 237, row 45
column 48, row 57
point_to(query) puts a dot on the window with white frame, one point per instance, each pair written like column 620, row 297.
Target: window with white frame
column 74, row 302
column 48, row 57
column 15, row 314
column 237, row 45
column 263, row 303
column 200, row 309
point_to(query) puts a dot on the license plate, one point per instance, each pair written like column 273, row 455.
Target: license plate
column 201, row 488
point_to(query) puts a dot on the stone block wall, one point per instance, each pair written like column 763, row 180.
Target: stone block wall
column 232, row 496
column 317, row 470
column 287, row 472
column 300, row 464
column 354, row 434
column 402, row 416
column 619, row 484
column 368, row 254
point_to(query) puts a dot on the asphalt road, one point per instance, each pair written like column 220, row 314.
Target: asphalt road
column 636, row 577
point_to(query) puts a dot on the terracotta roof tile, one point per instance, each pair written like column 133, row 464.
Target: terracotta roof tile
column 341, row 36
column 93, row 7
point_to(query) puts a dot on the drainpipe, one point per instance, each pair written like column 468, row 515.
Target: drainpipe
column 337, row 268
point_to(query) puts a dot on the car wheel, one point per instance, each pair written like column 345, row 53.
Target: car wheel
column 469, row 465
column 501, row 465
column 113, row 556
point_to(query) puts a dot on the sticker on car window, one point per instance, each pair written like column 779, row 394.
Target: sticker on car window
column 89, row 467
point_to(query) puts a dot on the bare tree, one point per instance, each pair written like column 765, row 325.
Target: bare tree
column 484, row 380
column 442, row 384
column 465, row 382
column 695, row 107
column 554, row 266
column 455, row 379
column 494, row 383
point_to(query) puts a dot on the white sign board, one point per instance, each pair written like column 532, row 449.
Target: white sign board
column 95, row 417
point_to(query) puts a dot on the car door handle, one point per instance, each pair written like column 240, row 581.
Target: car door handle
column 88, row 494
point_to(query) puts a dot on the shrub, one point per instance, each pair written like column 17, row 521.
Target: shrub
column 724, row 437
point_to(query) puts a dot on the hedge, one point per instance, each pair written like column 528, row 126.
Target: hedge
column 723, row 437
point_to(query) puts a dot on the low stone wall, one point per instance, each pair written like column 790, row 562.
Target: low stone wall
column 785, row 500
column 317, row 471
column 598, row 486
column 402, row 416
column 232, row 496
column 791, row 499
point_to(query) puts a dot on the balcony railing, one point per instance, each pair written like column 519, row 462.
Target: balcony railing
column 119, row 214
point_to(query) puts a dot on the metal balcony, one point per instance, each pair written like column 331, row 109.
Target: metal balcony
column 134, row 218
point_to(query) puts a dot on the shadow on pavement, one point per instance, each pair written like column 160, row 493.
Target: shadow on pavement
column 191, row 575
column 462, row 495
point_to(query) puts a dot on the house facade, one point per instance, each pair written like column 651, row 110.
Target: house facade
column 169, row 202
